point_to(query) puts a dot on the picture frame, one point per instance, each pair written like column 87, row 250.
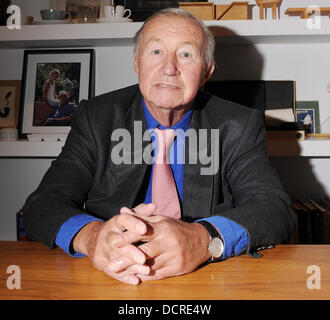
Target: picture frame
column 10, row 93
column 53, row 84
column 84, row 10
column 308, row 112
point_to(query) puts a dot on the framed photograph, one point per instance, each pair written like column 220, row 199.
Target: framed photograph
column 53, row 84
column 308, row 113
column 84, row 10
column 10, row 92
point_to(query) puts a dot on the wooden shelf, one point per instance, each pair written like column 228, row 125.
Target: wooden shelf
column 276, row 148
column 121, row 34
column 305, row 13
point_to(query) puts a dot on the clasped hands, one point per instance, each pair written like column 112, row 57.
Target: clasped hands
column 136, row 245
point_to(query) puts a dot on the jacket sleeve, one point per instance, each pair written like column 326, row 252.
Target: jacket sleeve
column 63, row 190
column 260, row 204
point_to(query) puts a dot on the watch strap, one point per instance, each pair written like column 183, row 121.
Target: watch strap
column 210, row 228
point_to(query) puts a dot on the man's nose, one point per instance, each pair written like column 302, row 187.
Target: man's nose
column 169, row 67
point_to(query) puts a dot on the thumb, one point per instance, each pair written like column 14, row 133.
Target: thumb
column 143, row 210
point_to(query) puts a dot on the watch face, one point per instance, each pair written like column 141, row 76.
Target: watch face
column 216, row 247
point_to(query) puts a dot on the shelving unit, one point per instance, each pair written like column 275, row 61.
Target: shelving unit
column 121, row 34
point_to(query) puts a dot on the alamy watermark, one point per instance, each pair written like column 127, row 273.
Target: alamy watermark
column 314, row 17
column 14, row 280
column 14, row 20
column 314, row 280
column 201, row 146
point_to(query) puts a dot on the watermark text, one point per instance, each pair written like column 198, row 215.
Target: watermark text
column 14, row 280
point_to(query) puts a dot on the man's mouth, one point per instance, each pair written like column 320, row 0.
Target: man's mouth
column 168, row 86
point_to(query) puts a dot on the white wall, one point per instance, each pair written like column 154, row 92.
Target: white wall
column 11, row 64
column 304, row 177
column 18, row 178
column 114, row 69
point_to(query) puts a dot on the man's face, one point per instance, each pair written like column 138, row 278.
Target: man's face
column 170, row 63
column 63, row 98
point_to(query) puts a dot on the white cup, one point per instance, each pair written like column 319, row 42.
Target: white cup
column 121, row 11
column 109, row 11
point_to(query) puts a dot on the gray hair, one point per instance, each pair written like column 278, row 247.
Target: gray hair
column 209, row 42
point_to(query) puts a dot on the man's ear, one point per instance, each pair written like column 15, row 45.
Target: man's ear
column 208, row 74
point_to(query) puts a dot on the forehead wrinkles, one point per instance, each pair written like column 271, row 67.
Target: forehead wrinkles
column 182, row 30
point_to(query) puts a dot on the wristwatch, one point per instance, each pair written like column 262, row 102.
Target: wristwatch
column 216, row 244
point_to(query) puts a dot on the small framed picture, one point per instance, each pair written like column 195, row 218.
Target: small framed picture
column 85, row 10
column 10, row 92
column 53, row 84
column 308, row 113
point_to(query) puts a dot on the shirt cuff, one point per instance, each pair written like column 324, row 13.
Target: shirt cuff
column 68, row 231
column 235, row 238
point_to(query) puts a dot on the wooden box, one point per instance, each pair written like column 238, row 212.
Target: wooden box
column 237, row 10
column 201, row 10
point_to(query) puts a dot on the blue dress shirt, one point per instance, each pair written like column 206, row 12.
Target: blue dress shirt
column 234, row 236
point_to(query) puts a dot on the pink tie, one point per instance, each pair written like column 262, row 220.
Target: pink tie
column 164, row 193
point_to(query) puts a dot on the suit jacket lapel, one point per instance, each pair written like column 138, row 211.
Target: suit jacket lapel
column 197, row 188
column 132, row 177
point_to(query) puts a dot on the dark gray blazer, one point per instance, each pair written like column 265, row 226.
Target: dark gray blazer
column 83, row 179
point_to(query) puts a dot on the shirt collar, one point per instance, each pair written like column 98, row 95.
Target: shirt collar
column 152, row 123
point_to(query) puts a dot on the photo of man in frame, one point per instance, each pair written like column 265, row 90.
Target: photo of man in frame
column 56, row 93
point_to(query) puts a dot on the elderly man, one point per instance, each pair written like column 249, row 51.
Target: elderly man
column 63, row 114
column 140, row 221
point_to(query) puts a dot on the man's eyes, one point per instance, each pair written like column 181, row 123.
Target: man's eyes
column 186, row 54
column 182, row 54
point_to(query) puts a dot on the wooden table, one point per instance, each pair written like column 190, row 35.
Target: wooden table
column 280, row 274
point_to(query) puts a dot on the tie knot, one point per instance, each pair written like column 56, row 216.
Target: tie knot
column 165, row 138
